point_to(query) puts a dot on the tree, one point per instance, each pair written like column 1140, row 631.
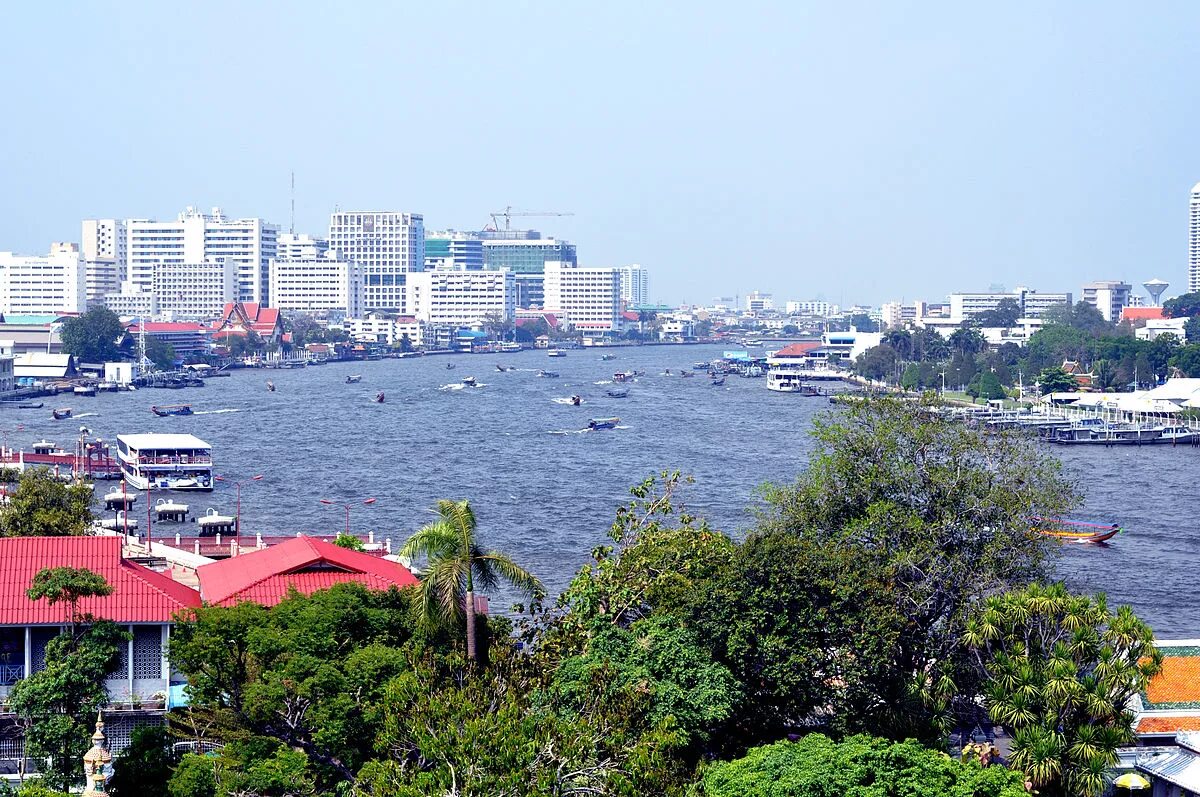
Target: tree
column 92, row 337
column 161, row 353
column 937, row 511
column 1191, row 331
column 816, row 766
column 456, row 562
column 1005, row 314
column 877, row 363
column 967, row 340
column 58, row 704
column 1057, row 380
column 405, row 343
column 241, row 769
column 901, row 341
column 1187, row 359
column 498, row 327
column 790, row 329
column 1060, row 672
column 44, row 505
column 990, row 387
column 1185, row 306
column 344, row 540
column 145, row 766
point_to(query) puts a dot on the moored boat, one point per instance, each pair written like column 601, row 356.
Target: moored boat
column 603, row 423
column 165, row 461
column 1074, row 530
column 172, row 409
column 30, row 405
column 85, row 390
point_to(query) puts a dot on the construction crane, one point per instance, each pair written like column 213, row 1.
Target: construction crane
column 508, row 214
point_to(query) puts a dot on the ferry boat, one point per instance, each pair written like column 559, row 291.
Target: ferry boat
column 165, row 461
column 172, row 409
column 508, row 347
column 556, row 353
column 596, row 424
column 786, row 375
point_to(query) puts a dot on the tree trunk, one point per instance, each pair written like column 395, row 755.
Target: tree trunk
column 470, row 607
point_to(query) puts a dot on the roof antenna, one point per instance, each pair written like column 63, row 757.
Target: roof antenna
column 292, row 226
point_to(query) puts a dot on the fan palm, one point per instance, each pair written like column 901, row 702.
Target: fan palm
column 456, row 564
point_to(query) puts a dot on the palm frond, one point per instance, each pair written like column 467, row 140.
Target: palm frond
column 513, row 573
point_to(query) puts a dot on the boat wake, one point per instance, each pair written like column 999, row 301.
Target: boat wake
column 568, row 431
column 454, row 386
column 603, row 382
column 87, row 415
column 215, row 412
column 566, row 400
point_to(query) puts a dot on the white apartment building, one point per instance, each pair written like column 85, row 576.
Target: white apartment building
column 813, row 308
column 105, row 249
column 757, row 302
column 635, row 285
column 194, row 291
column 388, row 246
column 899, row 314
column 462, row 298
column 196, row 237
column 297, row 246
column 379, row 328
column 317, row 284
column 52, row 283
column 1194, row 239
column 589, row 299
column 965, row 306
column 1110, row 297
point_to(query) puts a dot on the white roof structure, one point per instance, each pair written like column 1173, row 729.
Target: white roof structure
column 1179, row 766
column 163, row 442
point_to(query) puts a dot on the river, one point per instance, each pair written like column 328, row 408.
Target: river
column 545, row 491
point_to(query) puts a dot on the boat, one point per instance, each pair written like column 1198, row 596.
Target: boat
column 700, row 366
column 353, row 379
column 85, row 390
column 108, row 387
column 30, row 405
column 170, row 509
column 379, row 397
column 193, row 381
column 61, row 413
column 620, row 392
column 449, row 366
column 576, row 401
column 687, row 374
column 213, row 523
column 624, row 376
column 1075, row 531
column 470, row 381
column 165, row 462
column 509, row 347
column 718, row 381
column 548, row 374
column 501, row 368
column 603, row 423
column 270, row 386
column 172, row 409
column 607, row 357
column 556, row 353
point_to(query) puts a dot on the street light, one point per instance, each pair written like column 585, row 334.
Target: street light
column 327, row 502
column 237, row 518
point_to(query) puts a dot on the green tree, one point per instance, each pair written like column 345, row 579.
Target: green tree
column 93, row 337
column 1185, row 306
column 58, row 704
column 877, row 363
column 1191, row 331
column 936, row 510
column 816, row 766
column 44, row 505
column 241, row 769
column 1056, row 380
column 990, row 387
column 349, row 541
column 161, row 353
column 144, row 767
column 1187, row 360
column 1060, row 672
column 455, row 563
column 967, row 340
column 1005, row 315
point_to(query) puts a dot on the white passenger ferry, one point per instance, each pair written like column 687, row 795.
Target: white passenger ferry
column 165, row 461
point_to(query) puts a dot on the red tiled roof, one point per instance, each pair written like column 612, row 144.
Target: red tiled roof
column 169, row 326
column 629, row 315
column 302, row 562
column 1142, row 313
column 799, row 349
column 1178, row 682
column 140, row 595
column 1159, row 724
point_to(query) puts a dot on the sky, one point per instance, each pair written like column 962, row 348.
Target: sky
column 850, row 151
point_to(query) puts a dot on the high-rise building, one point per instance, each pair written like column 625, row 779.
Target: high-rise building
column 53, row 283
column 295, row 246
column 455, row 297
column 194, row 291
column 454, row 250
column 196, row 237
column 387, row 246
column 1194, row 239
column 525, row 253
column 105, row 249
column 1110, row 297
column 317, row 284
column 635, row 285
column 588, row 298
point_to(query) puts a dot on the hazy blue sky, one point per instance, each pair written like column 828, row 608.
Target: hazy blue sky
column 853, row 151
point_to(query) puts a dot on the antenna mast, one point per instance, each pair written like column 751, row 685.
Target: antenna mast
column 292, row 226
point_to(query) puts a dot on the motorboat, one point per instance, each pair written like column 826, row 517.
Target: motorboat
column 470, row 381
column 548, row 374
column 687, row 374
column 85, row 390
column 718, row 381
column 172, row 409
column 576, row 401
column 1075, row 531
column 270, row 386
column 556, row 353
column 353, row 379
column 30, row 405
column 607, row 357
column 624, row 376
column 701, row 366
column 61, row 413
column 503, row 368
column 620, row 392
column 596, row 424
column 449, row 366
column 379, row 397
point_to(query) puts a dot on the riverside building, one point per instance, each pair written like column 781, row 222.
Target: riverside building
column 193, row 291
column 635, row 285
column 51, row 283
column 451, row 249
column 105, row 249
column 317, row 284
column 462, row 298
column 965, row 306
column 387, row 246
column 525, row 253
column 588, row 298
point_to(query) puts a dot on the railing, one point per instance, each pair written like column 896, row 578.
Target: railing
column 10, row 674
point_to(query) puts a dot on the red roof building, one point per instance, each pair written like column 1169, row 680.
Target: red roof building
column 1135, row 314
column 240, row 318
column 185, row 337
column 303, row 563
column 799, row 349
column 140, row 595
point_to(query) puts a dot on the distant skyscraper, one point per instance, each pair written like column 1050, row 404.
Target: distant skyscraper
column 1194, row 240
column 387, row 245
column 635, row 285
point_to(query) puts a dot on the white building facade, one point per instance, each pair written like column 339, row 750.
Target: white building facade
column 104, row 246
column 297, row 246
column 52, row 283
column 193, row 291
column 1110, row 297
column 462, row 298
column 388, row 246
column 589, row 299
column 813, row 307
column 317, row 284
column 635, row 285
column 1194, row 239
column 966, row 306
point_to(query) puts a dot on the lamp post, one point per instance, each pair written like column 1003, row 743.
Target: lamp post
column 327, row 502
column 237, row 518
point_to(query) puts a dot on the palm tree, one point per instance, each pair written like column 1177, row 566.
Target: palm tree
column 456, row 563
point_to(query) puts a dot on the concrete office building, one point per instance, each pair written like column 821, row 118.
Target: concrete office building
column 965, row 306
column 1110, row 297
column 104, row 246
column 317, row 284
column 297, row 246
column 454, row 250
column 814, row 308
column 589, row 299
column 525, row 253
column 635, row 285
column 194, row 291
column 757, row 302
column 1194, row 239
column 387, row 246
column 462, row 298
column 196, row 237
column 51, row 283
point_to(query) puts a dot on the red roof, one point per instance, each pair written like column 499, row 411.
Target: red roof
column 799, row 349
column 1142, row 313
column 140, row 595
column 629, row 315
column 266, row 576
column 168, row 326
column 235, row 316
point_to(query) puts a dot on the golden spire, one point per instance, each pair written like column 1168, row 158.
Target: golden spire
column 96, row 761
